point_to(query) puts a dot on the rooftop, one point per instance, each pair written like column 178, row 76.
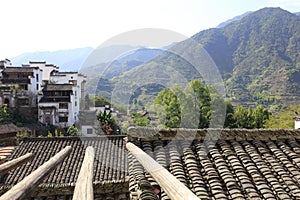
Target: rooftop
column 110, row 168
column 220, row 164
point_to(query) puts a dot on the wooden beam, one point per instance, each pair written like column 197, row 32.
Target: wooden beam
column 173, row 187
column 84, row 184
column 5, row 167
column 21, row 189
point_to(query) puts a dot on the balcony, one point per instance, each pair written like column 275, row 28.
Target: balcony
column 16, row 80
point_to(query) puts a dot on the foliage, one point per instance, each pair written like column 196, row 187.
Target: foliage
column 139, row 119
column 257, row 57
column 198, row 103
column 251, row 118
column 5, row 115
column 107, row 123
column 284, row 118
column 73, row 131
column 168, row 108
column 100, row 101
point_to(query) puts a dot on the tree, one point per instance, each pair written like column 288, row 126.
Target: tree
column 5, row 115
column 251, row 118
column 242, row 117
column 107, row 123
column 260, row 115
column 284, row 118
column 72, row 131
column 229, row 119
column 202, row 101
column 168, row 108
column 139, row 119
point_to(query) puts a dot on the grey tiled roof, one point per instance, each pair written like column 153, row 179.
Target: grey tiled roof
column 242, row 164
column 110, row 165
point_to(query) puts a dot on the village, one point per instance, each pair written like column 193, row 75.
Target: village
column 41, row 92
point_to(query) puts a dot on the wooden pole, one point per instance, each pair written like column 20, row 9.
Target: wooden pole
column 5, row 167
column 84, row 184
column 21, row 189
column 173, row 187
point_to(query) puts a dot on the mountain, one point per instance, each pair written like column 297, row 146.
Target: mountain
column 67, row 60
column 100, row 74
column 257, row 56
column 223, row 24
column 114, row 60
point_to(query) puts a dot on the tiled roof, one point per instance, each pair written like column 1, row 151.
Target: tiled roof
column 110, row 166
column 6, row 129
column 242, row 164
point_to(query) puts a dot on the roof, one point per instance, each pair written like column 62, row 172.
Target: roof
column 110, row 168
column 58, row 87
column 221, row 164
column 7, row 129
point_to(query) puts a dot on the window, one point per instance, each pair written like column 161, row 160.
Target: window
column 89, row 131
column 75, row 103
column 37, row 86
column 37, row 77
column 63, row 119
column 63, row 105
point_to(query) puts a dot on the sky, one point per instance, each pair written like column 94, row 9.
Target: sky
column 50, row 25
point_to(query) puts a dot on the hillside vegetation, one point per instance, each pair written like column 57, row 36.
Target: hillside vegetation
column 257, row 57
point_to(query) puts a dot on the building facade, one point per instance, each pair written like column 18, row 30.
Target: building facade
column 20, row 86
column 57, row 96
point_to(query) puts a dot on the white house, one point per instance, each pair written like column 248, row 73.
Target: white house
column 57, row 105
column 46, row 68
column 26, row 82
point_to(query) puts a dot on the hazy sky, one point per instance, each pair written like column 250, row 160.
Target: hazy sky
column 49, row 25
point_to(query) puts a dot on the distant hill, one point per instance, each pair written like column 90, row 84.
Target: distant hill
column 223, row 24
column 114, row 60
column 257, row 56
column 129, row 59
column 67, row 60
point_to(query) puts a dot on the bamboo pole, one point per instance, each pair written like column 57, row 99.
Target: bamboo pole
column 84, row 184
column 173, row 187
column 21, row 189
column 5, row 167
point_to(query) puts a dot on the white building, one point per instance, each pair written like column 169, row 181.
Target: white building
column 58, row 105
column 62, row 99
column 46, row 68
column 25, row 82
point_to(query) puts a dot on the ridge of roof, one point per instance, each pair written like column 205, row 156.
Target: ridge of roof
column 145, row 133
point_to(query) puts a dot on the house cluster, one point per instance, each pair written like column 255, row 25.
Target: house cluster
column 56, row 96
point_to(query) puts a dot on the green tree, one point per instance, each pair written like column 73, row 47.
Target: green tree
column 261, row 116
column 243, row 117
column 107, row 123
column 203, row 101
column 140, row 120
column 73, row 131
column 168, row 108
column 284, row 118
column 5, row 115
column 229, row 120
